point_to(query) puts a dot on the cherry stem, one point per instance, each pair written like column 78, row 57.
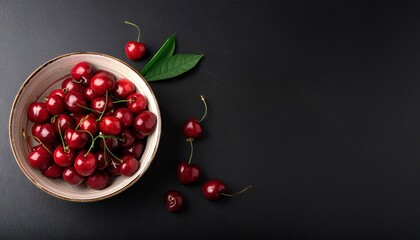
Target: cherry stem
column 190, row 140
column 205, row 108
column 80, row 122
column 90, row 109
column 138, row 29
column 234, row 194
column 120, row 101
column 76, row 81
column 61, row 136
column 93, row 142
column 106, row 103
column 37, row 139
column 106, row 147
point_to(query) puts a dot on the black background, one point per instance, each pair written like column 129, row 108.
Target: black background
column 314, row 103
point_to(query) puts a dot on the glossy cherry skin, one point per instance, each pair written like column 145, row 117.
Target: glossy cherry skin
column 111, row 143
column 53, row 171
column 212, row 189
column 135, row 50
column 123, row 88
column 69, row 84
column 89, row 123
column 38, row 112
column 135, row 150
column 98, row 104
column 56, row 105
column 89, row 94
column 85, row 164
column 192, row 128
column 187, row 173
column 125, row 116
column 64, row 158
column 44, row 132
column 137, row 102
column 110, row 125
column 58, row 92
column 83, row 71
column 97, row 180
column 174, row 201
column 129, row 166
column 75, row 102
column 128, row 138
column 71, row 176
column 76, row 139
column 102, row 163
column 113, row 171
column 40, row 158
column 102, row 82
column 65, row 122
column 145, row 122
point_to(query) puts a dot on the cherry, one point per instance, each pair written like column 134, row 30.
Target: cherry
column 145, row 122
column 125, row 116
column 129, row 166
column 76, row 139
column 135, row 49
column 127, row 138
column 136, row 102
column 98, row 104
column 103, row 158
column 215, row 188
column 65, row 122
column 69, row 84
column 53, row 171
column 56, row 104
column 110, row 125
column 85, row 163
column 40, row 157
column 111, row 143
column 136, row 150
column 123, row 88
column 186, row 172
column 71, row 176
column 83, row 71
column 102, row 82
column 192, row 128
column 58, row 92
column 38, row 112
column 89, row 94
column 113, row 170
column 75, row 102
column 98, row 180
column 174, row 201
column 44, row 132
column 89, row 123
column 64, row 157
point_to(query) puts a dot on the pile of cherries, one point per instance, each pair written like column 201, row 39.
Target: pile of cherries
column 188, row 173
column 91, row 129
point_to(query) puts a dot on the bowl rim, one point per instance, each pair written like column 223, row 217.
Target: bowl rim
column 22, row 87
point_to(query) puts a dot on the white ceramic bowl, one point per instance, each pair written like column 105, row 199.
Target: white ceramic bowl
column 45, row 79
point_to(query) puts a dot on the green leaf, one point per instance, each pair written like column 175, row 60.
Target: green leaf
column 172, row 66
column 165, row 51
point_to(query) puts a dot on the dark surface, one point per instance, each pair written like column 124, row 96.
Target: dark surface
column 314, row 103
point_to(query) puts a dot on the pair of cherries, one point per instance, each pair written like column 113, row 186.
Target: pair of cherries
column 188, row 173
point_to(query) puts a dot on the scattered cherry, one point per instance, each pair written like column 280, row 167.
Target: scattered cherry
column 135, row 49
column 186, row 172
column 192, row 128
column 174, row 201
column 215, row 188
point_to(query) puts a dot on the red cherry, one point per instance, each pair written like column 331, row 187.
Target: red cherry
column 127, row 138
column 136, row 102
column 88, row 123
column 65, row 122
column 135, row 49
column 38, row 112
column 111, row 143
column 113, row 170
column 102, row 163
column 125, row 116
column 85, row 163
column 102, row 82
column 186, row 172
column 75, row 138
column 83, row 71
column 98, row 180
column 58, row 92
column 63, row 157
column 135, row 150
column 192, row 128
column 89, row 94
column 145, row 122
column 98, row 104
column 123, row 88
column 129, row 166
column 53, row 171
column 71, row 176
column 75, row 102
column 44, row 132
column 174, row 201
column 69, row 84
column 110, row 125
column 56, row 105
column 40, row 158
column 215, row 188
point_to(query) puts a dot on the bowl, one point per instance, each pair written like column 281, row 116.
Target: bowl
column 48, row 77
